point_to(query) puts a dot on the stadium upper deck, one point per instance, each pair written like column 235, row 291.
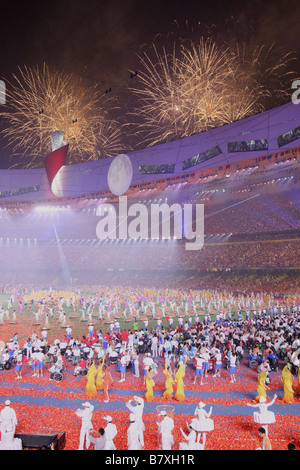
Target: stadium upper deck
column 250, row 147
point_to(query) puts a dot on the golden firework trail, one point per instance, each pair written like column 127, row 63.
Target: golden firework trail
column 41, row 101
column 201, row 86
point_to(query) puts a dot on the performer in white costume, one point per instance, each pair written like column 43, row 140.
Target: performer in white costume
column 203, row 423
column 263, row 416
column 8, row 422
column 137, row 411
column 110, row 433
column 191, row 439
column 165, row 428
column 85, row 414
column 135, row 438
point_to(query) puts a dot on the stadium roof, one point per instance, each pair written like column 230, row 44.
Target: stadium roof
column 262, row 134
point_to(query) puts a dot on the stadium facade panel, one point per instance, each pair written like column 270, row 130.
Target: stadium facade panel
column 266, row 133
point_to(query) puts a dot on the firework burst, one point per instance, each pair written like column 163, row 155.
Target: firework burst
column 201, row 86
column 160, row 95
column 268, row 74
column 41, row 101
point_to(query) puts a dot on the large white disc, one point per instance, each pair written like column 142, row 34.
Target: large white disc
column 120, row 174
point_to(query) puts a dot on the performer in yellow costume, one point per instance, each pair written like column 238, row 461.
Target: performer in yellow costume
column 179, row 395
column 168, row 394
column 99, row 378
column 90, row 388
column 262, row 387
column 287, row 380
column 149, row 384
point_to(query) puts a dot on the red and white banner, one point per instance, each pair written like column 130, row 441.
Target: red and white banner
column 54, row 162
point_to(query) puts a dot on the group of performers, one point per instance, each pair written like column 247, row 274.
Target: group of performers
column 98, row 379
column 253, row 329
column 287, row 380
column 194, row 437
column 169, row 382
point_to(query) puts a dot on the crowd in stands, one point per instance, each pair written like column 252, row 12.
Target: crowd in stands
column 238, row 281
column 148, row 255
column 260, row 234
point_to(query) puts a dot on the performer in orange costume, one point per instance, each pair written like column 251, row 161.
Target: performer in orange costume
column 99, row 378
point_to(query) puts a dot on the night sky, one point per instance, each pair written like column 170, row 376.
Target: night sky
column 99, row 40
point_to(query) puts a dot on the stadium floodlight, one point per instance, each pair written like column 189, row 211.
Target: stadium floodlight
column 50, row 209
